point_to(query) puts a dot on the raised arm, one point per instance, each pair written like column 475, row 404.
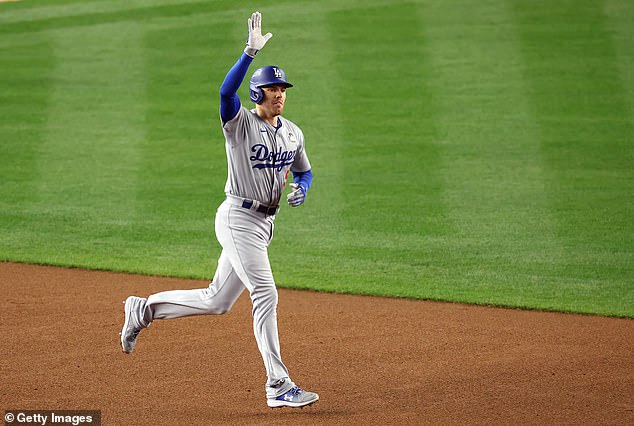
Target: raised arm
column 229, row 100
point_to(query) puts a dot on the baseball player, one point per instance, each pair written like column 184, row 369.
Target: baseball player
column 262, row 148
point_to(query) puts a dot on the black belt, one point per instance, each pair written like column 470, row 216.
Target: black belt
column 267, row 210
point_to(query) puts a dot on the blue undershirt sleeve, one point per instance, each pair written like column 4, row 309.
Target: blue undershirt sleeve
column 304, row 180
column 229, row 100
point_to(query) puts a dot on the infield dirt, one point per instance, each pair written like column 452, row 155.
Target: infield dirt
column 372, row 360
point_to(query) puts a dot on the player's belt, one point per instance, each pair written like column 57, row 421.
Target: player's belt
column 267, row 210
column 252, row 205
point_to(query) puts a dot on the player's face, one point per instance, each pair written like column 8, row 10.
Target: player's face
column 274, row 99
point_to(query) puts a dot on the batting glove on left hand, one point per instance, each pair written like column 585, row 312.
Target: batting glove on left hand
column 256, row 40
column 297, row 197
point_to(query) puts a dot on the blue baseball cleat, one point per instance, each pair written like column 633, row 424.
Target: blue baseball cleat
column 296, row 398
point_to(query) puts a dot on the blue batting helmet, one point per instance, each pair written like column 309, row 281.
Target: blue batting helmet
column 266, row 76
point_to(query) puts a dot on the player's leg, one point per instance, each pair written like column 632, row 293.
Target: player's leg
column 247, row 248
column 218, row 298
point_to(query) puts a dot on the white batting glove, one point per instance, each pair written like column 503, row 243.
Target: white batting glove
column 256, row 40
column 297, row 197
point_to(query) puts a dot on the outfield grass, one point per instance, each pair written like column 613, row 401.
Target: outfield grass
column 470, row 153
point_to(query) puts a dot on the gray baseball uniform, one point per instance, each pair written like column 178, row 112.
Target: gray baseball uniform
column 259, row 157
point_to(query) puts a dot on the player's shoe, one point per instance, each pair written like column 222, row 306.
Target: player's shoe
column 132, row 325
column 296, row 398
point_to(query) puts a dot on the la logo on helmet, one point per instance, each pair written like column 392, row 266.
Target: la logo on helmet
column 277, row 73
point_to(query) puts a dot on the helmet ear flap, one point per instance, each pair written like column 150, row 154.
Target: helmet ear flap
column 256, row 95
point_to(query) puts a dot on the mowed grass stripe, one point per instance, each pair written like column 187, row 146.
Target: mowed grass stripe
column 390, row 192
column 87, row 163
column 25, row 89
column 389, row 152
column 182, row 164
column 314, row 103
column 94, row 14
column 620, row 16
column 21, row 13
column 494, row 178
column 585, row 124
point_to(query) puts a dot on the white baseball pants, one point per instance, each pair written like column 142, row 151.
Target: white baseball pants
column 244, row 263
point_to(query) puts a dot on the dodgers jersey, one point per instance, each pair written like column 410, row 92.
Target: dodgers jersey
column 260, row 156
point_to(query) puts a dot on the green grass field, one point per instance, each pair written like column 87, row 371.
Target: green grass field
column 470, row 152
